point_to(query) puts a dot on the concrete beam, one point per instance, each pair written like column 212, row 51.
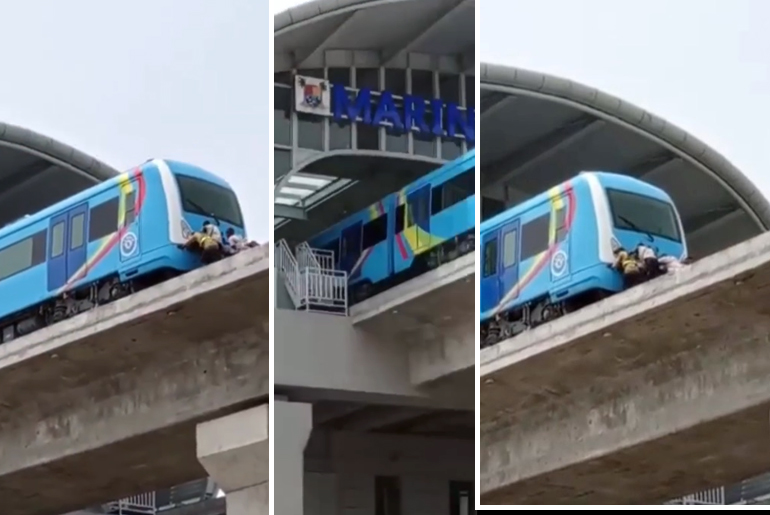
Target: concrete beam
column 657, row 392
column 434, row 315
column 104, row 405
column 324, row 357
column 235, row 451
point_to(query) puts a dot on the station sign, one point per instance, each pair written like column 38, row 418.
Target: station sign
column 319, row 97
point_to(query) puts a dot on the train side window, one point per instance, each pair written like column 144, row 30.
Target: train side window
column 400, row 219
column 436, row 197
column 509, row 248
column 419, row 206
column 560, row 223
column 490, row 258
column 77, row 228
column 103, row 220
column 23, row 255
column 375, row 231
column 453, row 191
column 57, row 240
column 130, row 212
column 534, row 236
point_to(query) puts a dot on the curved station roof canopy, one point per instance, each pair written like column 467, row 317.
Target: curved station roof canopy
column 37, row 171
column 393, row 34
column 538, row 130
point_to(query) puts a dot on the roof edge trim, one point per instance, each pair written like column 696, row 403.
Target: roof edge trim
column 297, row 16
column 54, row 151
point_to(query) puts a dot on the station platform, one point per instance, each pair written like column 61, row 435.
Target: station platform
column 106, row 405
column 649, row 395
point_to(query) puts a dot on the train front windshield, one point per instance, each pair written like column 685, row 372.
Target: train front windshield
column 634, row 212
column 209, row 200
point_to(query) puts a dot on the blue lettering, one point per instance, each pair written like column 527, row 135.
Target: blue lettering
column 437, row 106
column 386, row 112
column 414, row 113
column 447, row 118
column 361, row 107
column 455, row 119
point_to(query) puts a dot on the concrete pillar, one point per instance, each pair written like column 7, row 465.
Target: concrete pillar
column 234, row 450
column 292, row 425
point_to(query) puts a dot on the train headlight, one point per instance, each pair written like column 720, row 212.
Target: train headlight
column 186, row 229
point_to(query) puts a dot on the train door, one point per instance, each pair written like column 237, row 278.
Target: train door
column 560, row 259
column 129, row 241
column 391, row 208
column 67, row 245
column 490, row 280
column 350, row 246
column 419, row 210
column 509, row 259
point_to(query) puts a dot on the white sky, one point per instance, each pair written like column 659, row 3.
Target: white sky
column 703, row 65
column 129, row 81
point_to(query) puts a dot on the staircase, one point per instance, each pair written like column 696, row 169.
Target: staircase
column 311, row 279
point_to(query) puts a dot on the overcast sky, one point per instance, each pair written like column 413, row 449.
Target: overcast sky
column 704, row 65
column 128, row 81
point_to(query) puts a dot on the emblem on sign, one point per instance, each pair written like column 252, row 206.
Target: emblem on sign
column 559, row 264
column 312, row 95
column 128, row 244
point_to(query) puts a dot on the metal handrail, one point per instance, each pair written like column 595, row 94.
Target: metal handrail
column 311, row 280
column 325, row 290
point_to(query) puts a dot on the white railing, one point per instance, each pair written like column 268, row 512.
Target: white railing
column 714, row 496
column 324, row 291
column 311, row 279
column 135, row 505
column 306, row 257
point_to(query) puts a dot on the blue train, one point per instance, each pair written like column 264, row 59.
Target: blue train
column 554, row 253
column 429, row 222
column 106, row 242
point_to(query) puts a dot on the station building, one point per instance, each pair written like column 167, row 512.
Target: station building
column 367, row 421
column 367, row 391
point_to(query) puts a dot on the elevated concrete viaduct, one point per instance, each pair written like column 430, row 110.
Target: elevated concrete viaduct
column 657, row 392
column 105, row 405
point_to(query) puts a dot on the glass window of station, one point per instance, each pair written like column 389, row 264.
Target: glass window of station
column 313, row 109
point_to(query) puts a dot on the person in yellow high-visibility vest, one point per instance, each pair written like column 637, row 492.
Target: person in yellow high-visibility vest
column 628, row 265
column 208, row 242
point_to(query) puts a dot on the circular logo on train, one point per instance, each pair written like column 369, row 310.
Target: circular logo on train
column 559, row 263
column 128, row 244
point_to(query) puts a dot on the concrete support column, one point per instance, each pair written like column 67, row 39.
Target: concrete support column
column 293, row 423
column 234, row 450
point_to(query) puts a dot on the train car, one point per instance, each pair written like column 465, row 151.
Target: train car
column 554, row 253
column 106, row 242
column 429, row 222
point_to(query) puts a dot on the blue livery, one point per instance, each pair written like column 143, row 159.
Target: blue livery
column 554, row 253
column 427, row 223
column 121, row 235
